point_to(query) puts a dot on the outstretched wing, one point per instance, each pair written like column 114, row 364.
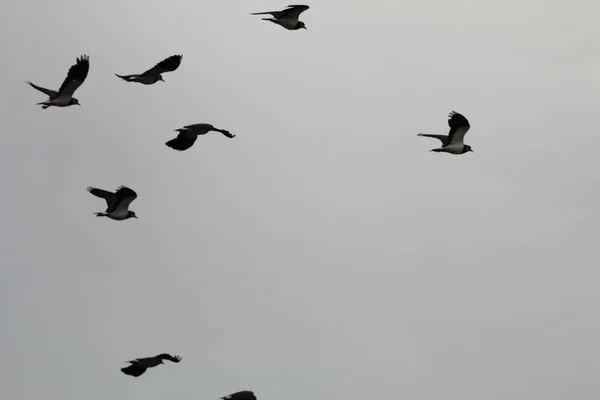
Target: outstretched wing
column 111, row 198
column 227, row 133
column 201, row 127
column 443, row 138
column 169, row 357
column 77, row 74
column 243, row 395
column 124, row 198
column 183, row 141
column 293, row 13
column 459, row 126
column 134, row 370
column 167, row 65
column 50, row 93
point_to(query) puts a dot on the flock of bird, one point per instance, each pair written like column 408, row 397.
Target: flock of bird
column 118, row 202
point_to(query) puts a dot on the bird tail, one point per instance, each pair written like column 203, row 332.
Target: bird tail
column 44, row 104
column 262, row 13
column 437, row 150
column 99, row 214
column 269, row 19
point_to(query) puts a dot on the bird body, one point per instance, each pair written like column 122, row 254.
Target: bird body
column 138, row 366
column 64, row 96
column 188, row 134
column 118, row 202
column 287, row 18
column 453, row 143
column 154, row 74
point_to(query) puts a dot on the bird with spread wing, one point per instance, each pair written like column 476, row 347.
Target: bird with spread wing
column 287, row 18
column 138, row 366
column 154, row 74
column 453, row 142
column 75, row 78
column 118, row 202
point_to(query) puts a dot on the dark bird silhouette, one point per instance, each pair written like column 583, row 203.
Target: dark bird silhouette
column 453, row 142
column 243, row 395
column 64, row 97
column 118, row 202
column 287, row 18
column 154, row 74
column 138, row 366
column 188, row 135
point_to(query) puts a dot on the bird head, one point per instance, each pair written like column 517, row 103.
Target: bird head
column 74, row 101
column 132, row 215
column 467, row 149
column 301, row 25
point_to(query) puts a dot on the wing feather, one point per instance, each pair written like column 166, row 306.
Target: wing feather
column 293, row 12
column 48, row 92
column 111, row 198
column 76, row 76
column 169, row 357
column 183, row 141
column 134, row 370
column 124, row 197
column 459, row 126
column 169, row 64
column 200, row 127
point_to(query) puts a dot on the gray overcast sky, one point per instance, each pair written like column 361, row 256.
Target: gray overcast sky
column 324, row 253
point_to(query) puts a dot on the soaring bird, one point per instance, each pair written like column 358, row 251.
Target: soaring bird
column 287, row 18
column 453, row 142
column 118, row 202
column 188, row 135
column 64, row 97
column 138, row 366
column 243, row 395
column 153, row 75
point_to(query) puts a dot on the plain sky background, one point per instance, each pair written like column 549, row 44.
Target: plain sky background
column 324, row 253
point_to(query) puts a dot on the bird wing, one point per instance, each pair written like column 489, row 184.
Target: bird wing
column 459, row 126
column 200, row 128
column 275, row 14
column 169, row 357
column 293, row 12
column 442, row 138
column 243, row 395
column 77, row 74
column 167, row 65
column 124, row 198
column 110, row 197
column 134, row 369
column 227, row 133
column 183, row 141
column 50, row 93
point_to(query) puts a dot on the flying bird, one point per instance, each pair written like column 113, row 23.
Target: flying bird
column 64, row 97
column 243, row 395
column 188, row 135
column 154, row 74
column 287, row 18
column 118, row 202
column 138, row 366
column 453, row 142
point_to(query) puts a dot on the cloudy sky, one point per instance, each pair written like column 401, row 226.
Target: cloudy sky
column 324, row 253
